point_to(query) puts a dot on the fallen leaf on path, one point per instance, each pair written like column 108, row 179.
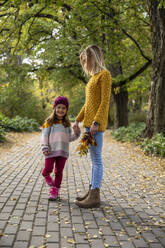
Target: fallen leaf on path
column 71, row 241
column 47, row 236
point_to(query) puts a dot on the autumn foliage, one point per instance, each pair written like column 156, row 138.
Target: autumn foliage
column 86, row 140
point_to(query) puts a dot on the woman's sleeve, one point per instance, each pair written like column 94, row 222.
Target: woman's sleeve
column 45, row 138
column 80, row 116
column 106, row 83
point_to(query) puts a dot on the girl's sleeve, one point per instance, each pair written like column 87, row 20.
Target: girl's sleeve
column 102, row 111
column 45, row 138
column 73, row 136
column 80, row 116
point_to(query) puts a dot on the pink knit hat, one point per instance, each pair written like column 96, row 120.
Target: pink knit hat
column 61, row 100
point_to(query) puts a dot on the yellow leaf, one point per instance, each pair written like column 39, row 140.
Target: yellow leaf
column 47, row 235
column 71, row 241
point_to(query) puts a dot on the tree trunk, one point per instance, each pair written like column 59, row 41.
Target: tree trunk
column 156, row 114
column 120, row 99
column 121, row 109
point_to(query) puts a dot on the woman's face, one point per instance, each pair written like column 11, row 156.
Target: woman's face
column 83, row 59
column 87, row 62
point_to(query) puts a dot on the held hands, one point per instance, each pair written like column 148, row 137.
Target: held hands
column 46, row 153
column 75, row 124
column 94, row 129
column 76, row 129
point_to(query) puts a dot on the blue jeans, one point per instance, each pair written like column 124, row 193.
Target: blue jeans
column 96, row 159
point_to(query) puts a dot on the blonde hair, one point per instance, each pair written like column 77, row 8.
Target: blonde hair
column 96, row 54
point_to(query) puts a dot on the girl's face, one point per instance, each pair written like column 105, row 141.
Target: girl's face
column 60, row 111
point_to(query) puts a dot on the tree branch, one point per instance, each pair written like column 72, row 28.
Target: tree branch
column 50, row 68
column 47, row 16
column 6, row 14
column 4, row 29
column 111, row 16
column 1, row 4
column 21, row 25
column 136, row 43
column 133, row 76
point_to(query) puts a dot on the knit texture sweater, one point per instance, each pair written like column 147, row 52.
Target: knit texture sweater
column 55, row 140
column 96, row 107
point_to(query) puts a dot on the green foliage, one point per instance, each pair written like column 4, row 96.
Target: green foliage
column 2, row 134
column 52, row 36
column 20, row 93
column 162, row 4
column 137, row 117
column 18, row 124
column 130, row 133
column 154, row 146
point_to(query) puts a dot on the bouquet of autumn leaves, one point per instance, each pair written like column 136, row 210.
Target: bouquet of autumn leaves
column 86, row 140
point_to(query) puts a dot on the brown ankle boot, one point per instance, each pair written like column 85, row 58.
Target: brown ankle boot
column 81, row 198
column 92, row 200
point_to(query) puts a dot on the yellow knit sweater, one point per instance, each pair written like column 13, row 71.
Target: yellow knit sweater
column 98, row 91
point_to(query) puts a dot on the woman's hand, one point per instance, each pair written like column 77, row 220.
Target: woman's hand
column 94, row 129
column 76, row 130
column 75, row 124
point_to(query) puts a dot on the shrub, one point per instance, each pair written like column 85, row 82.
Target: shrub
column 18, row 124
column 154, row 146
column 2, row 134
column 137, row 116
column 130, row 133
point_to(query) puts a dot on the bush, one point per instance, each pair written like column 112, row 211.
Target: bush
column 154, row 146
column 18, row 124
column 2, row 134
column 130, row 133
column 137, row 116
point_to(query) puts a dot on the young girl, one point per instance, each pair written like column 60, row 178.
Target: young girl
column 56, row 135
column 94, row 115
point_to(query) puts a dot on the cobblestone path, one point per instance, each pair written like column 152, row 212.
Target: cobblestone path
column 132, row 213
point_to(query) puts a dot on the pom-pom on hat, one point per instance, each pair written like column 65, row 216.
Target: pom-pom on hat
column 61, row 100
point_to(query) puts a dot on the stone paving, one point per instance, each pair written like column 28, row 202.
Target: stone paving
column 132, row 213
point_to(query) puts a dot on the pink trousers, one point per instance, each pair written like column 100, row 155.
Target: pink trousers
column 59, row 163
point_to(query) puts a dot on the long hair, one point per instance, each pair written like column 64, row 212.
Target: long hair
column 95, row 53
column 54, row 119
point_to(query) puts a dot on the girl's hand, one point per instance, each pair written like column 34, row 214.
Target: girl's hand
column 94, row 129
column 46, row 153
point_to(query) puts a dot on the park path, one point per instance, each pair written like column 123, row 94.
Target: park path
column 132, row 214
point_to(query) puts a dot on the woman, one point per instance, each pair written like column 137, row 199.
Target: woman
column 94, row 115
